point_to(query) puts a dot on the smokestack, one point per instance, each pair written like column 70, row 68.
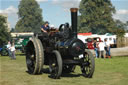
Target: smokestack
column 74, row 21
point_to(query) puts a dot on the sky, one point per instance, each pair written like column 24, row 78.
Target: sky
column 57, row 11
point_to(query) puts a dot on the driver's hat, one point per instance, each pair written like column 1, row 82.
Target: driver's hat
column 46, row 22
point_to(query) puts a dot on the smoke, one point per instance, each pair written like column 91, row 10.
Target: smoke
column 67, row 4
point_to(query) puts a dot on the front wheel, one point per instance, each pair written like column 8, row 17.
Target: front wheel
column 55, row 65
column 88, row 65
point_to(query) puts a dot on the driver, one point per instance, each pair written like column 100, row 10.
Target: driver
column 45, row 27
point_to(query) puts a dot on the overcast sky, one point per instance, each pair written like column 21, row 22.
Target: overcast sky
column 57, row 11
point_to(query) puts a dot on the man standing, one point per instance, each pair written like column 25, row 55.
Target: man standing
column 107, row 49
column 101, row 49
column 13, row 51
column 96, row 49
column 9, row 49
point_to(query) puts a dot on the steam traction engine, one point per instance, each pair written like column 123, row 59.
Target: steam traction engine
column 61, row 51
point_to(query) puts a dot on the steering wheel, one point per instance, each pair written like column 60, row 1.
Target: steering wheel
column 63, row 27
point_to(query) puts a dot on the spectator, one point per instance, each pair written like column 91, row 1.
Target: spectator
column 107, row 49
column 8, row 48
column 96, row 49
column 101, row 49
column 13, row 51
column 114, row 40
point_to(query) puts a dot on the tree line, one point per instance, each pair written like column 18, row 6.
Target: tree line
column 30, row 16
column 4, row 34
column 95, row 16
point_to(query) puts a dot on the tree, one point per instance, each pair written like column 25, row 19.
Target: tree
column 120, row 32
column 127, row 26
column 30, row 15
column 12, row 30
column 127, row 22
column 96, row 16
column 121, row 28
column 4, row 34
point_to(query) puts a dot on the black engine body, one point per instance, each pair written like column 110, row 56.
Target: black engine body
column 61, row 50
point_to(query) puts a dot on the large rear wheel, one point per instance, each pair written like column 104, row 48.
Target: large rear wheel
column 34, row 56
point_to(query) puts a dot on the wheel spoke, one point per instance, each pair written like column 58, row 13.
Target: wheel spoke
column 56, row 65
column 87, row 66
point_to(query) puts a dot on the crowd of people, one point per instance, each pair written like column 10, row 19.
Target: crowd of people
column 11, row 50
column 100, row 47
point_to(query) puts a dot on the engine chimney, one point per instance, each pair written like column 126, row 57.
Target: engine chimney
column 74, row 21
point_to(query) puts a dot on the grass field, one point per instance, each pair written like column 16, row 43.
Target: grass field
column 107, row 72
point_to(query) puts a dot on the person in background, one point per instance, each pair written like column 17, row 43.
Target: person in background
column 8, row 48
column 101, row 49
column 52, row 27
column 13, row 51
column 114, row 40
column 107, row 49
column 96, row 49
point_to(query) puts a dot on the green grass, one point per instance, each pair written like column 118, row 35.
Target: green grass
column 107, row 72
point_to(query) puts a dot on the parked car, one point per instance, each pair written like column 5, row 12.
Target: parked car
column 4, row 51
